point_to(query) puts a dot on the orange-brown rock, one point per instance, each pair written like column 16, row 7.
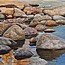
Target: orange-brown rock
column 50, row 23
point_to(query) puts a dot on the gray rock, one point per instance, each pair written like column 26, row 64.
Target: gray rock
column 62, row 22
column 37, row 61
column 58, row 17
column 22, row 54
column 2, row 16
column 7, row 41
column 4, row 49
column 49, row 41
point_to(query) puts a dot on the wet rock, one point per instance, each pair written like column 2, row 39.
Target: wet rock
column 14, row 32
column 51, row 23
column 7, row 41
column 30, row 32
column 46, row 17
column 62, row 22
column 37, row 61
column 49, row 30
column 40, row 27
column 58, row 17
column 50, row 45
column 22, row 54
column 4, row 49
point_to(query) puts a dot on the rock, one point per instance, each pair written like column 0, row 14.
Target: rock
column 37, row 61
column 32, row 10
column 22, row 54
column 3, row 27
column 33, row 23
column 51, row 23
column 56, row 42
column 56, row 11
column 43, row 22
column 2, row 16
column 31, row 32
column 28, row 10
column 4, row 49
column 49, row 30
column 14, row 32
column 40, row 27
column 62, row 22
column 58, row 17
column 23, row 26
column 38, row 17
column 20, row 20
column 50, row 46
column 18, row 13
column 46, row 17
column 33, row 41
column 7, row 41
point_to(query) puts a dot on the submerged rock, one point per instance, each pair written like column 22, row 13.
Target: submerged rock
column 4, row 49
column 22, row 54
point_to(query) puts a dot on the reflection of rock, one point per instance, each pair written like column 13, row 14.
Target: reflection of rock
column 22, row 54
column 49, row 46
column 4, row 49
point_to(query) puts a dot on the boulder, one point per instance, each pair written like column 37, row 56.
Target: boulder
column 50, row 23
column 4, row 49
column 50, row 46
column 22, row 54
column 14, row 32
